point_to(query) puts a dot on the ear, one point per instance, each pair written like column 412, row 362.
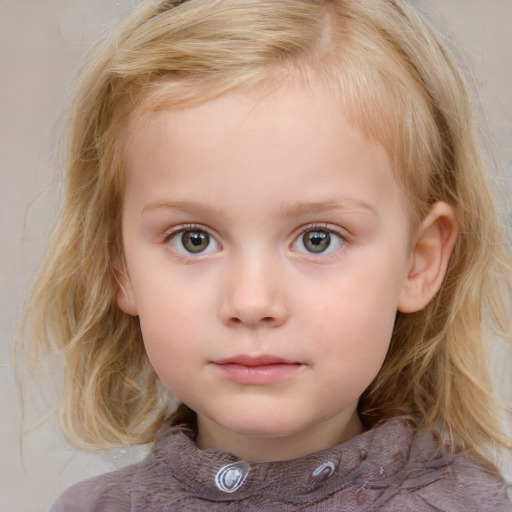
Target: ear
column 125, row 295
column 430, row 255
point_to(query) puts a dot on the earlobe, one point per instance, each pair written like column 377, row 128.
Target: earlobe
column 125, row 296
column 430, row 256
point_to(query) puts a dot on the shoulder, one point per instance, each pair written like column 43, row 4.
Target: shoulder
column 452, row 482
column 139, row 485
column 104, row 493
column 468, row 484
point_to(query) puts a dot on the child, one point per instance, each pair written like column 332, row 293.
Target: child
column 276, row 211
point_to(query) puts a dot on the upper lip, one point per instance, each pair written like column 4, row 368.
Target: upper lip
column 248, row 360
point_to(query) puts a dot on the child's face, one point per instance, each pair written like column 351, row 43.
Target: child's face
column 266, row 248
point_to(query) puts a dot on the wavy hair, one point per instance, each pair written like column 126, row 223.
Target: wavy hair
column 397, row 82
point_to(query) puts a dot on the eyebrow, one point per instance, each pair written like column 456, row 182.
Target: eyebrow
column 181, row 206
column 285, row 210
column 345, row 204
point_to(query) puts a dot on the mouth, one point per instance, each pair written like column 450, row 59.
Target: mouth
column 259, row 370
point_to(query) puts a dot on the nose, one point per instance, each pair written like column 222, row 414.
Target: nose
column 254, row 295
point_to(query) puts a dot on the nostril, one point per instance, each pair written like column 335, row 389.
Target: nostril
column 267, row 320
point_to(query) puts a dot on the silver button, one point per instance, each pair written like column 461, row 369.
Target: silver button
column 230, row 477
column 323, row 471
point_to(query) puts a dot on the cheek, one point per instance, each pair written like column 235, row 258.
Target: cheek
column 170, row 348
column 165, row 321
column 355, row 320
column 352, row 349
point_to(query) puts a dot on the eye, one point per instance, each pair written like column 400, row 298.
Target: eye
column 193, row 241
column 318, row 241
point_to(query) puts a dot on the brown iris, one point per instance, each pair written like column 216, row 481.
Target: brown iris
column 316, row 241
column 195, row 241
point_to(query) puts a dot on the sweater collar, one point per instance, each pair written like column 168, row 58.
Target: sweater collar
column 372, row 460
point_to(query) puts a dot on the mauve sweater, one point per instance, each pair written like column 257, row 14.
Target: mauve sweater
column 389, row 468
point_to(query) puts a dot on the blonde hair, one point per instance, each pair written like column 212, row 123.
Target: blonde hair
column 398, row 84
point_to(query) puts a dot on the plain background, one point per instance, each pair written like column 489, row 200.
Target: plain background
column 40, row 45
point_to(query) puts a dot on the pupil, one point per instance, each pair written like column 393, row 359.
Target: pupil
column 195, row 241
column 317, row 241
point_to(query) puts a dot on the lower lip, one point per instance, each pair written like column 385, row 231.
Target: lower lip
column 258, row 375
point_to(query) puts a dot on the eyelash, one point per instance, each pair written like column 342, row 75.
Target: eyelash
column 171, row 235
column 182, row 229
column 321, row 227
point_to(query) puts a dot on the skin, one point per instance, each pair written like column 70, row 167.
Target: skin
column 255, row 172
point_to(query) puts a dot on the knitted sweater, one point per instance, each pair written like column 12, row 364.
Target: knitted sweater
column 389, row 468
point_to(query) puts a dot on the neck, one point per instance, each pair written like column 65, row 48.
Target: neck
column 267, row 448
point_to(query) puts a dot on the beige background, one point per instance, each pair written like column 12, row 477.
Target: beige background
column 40, row 42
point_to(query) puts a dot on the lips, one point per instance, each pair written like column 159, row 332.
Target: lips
column 256, row 370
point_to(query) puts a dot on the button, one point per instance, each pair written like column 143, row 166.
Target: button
column 323, row 471
column 230, row 477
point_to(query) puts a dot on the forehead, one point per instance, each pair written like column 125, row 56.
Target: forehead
column 284, row 147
